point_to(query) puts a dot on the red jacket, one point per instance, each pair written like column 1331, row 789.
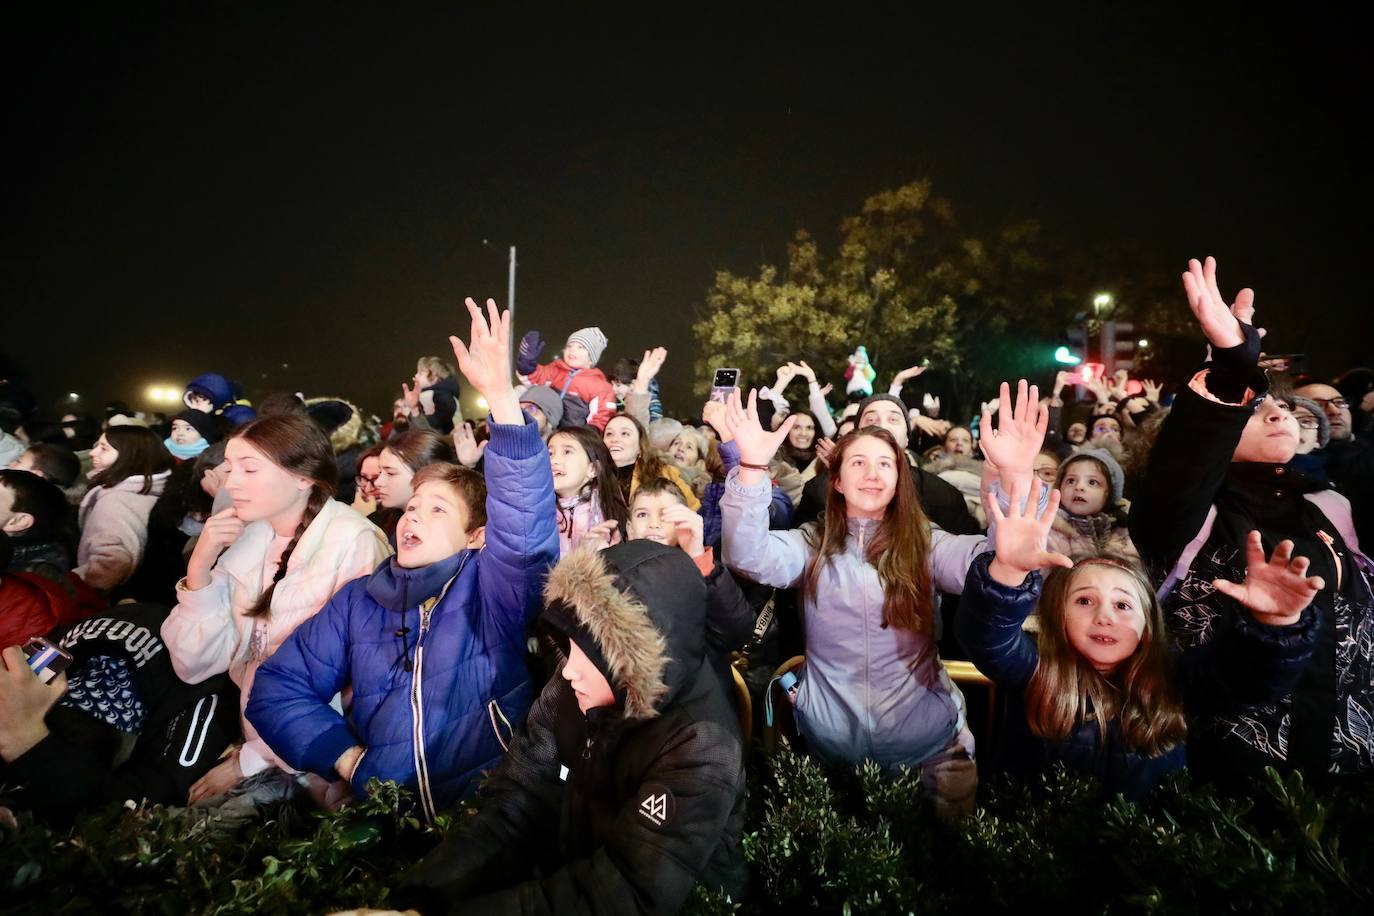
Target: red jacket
column 33, row 605
column 588, row 384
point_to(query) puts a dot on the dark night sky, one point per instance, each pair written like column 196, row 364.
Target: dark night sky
column 236, row 187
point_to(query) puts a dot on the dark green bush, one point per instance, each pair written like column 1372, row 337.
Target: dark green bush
column 816, row 843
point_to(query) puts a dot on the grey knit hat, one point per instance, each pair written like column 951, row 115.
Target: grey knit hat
column 881, row 397
column 1114, row 472
column 592, row 339
column 547, row 400
column 1323, row 424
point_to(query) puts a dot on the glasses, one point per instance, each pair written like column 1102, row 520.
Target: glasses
column 1309, row 423
column 1338, row 403
column 371, row 481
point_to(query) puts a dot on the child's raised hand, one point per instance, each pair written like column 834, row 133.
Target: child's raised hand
column 1020, row 431
column 756, row 445
column 825, row 447
column 689, row 527
column 466, row 447
column 1275, row 591
column 649, row 367
column 411, row 395
column 1021, row 537
column 485, row 360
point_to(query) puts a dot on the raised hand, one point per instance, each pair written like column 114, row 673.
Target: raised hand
column 690, row 536
column 527, row 356
column 909, row 373
column 801, row 369
column 1275, row 591
column 827, row 388
column 825, row 447
column 784, row 377
column 411, row 395
column 649, row 367
column 1152, row 390
column 936, row 428
column 1020, row 431
column 1021, row 537
column 1220, row 322
column 465, row 445
column 756, row 444
column 485, row 361
column 713, row 414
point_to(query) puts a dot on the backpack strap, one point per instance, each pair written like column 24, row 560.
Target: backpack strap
column 1185, row 559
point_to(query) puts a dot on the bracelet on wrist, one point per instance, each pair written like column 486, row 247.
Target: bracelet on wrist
column 753, row 467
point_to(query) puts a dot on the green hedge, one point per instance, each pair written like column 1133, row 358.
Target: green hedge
column 857, row 843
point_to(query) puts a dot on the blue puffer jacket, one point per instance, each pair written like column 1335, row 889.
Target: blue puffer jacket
column 1252, row 665
column 437, row 691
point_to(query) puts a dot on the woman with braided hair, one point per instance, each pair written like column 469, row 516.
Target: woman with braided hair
column 290, row 547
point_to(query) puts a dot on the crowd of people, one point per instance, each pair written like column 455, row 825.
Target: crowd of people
column 566, row 605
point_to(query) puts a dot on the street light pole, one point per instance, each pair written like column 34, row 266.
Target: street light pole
column 510, row 304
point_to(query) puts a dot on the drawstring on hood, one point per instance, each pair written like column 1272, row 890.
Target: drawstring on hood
column 398, row 589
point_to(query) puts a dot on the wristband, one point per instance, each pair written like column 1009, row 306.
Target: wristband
column 753, row 467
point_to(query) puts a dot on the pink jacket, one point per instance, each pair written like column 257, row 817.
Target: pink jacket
column 114, row 530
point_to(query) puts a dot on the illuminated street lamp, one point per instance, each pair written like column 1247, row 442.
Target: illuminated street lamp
column 1102, row 302
column 1142, row 343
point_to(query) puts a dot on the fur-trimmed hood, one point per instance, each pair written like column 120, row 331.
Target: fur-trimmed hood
column 638, row 611
column 341, row 420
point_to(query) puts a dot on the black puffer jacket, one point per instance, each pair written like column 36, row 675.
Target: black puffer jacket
column 625, row 808
column 1190, row 522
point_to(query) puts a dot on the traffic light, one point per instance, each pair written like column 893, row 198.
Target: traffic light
column 1118, row 345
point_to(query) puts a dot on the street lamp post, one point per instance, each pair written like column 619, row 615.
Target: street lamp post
column 510, row 299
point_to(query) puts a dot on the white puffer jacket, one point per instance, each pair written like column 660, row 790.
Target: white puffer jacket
column 209, row 632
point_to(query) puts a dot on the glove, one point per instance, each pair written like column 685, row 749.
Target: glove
column 527, row 355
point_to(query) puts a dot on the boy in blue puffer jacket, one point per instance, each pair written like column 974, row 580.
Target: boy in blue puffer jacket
column 433, row 642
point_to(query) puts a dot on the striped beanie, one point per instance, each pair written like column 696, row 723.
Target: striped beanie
column 593, row 340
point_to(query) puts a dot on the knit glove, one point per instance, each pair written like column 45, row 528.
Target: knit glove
column 527, row 355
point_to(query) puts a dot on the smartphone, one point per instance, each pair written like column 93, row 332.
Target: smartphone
column 46, row 659
column 725, row 381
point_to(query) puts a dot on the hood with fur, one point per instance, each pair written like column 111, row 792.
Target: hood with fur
column 341, row 420
column 638, row 611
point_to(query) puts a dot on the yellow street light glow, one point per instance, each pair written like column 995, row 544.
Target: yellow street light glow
column 1102, row 300
column 162, row 394
column 482, row 403
column 1142, row 343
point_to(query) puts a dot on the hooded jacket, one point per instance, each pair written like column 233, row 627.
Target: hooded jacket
column 183, row 730
column 444, row 395
column 589, row 385
column 434, row 707
column 1190, row 523
column 624, row 808
column 213, row 386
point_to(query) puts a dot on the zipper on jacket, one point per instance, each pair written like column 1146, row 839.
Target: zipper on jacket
column 1335, row 557
column 417, row 702
column 587, row 751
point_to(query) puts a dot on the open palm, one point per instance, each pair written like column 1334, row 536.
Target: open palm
column 1274, row 591
column 1220, row 322
column 485, row 361
column 1021, row 537
column 756, row 445
column 1020, row 431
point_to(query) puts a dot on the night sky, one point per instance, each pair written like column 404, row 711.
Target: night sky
column 236, row 187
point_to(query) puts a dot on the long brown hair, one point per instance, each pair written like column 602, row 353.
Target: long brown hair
column 1065, row 689
column 141, row 454
column 605, row 483
column 899, row 550
column 297, row 446
column 651, row 462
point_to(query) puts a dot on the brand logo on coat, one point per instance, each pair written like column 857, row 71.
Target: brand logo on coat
column 657, row 805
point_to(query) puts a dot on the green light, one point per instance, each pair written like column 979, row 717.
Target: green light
column 1062, row 355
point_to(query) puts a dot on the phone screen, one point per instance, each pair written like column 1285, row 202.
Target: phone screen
column 46, row 659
